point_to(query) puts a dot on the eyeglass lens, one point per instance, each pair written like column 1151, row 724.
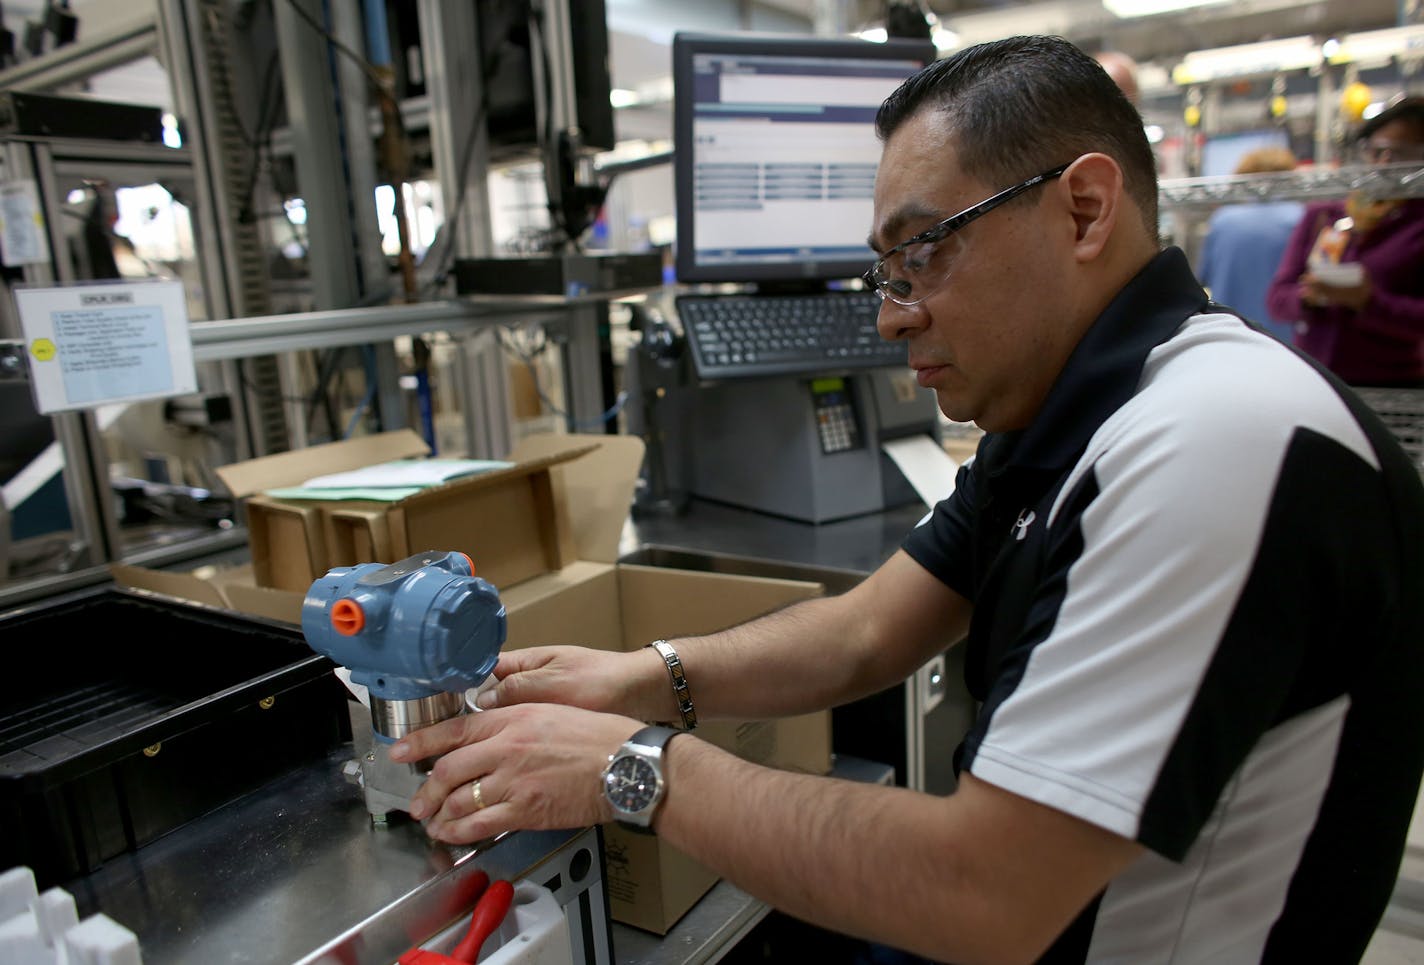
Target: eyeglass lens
column 1385, row 153
column 917, row 271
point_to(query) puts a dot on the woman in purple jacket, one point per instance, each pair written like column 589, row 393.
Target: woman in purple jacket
column 1369, row 331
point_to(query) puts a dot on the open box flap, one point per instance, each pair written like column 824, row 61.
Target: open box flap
column 183, row 586
column 296, row 467
column 599, row 486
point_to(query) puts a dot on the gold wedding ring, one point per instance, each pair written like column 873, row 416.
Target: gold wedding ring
column 479, row 801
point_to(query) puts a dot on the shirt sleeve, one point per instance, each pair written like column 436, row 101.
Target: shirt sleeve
column 1396, row 266
column 942, row 542
column 1283, row 293
column 1165, row 632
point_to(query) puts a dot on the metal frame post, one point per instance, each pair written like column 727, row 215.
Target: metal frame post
column 459, row 141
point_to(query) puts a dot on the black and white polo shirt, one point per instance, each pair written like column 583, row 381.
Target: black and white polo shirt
column 1198, row 586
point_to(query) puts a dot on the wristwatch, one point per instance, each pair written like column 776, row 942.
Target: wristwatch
column 633, row 781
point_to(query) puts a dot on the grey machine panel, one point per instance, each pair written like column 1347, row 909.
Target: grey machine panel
column 808, row 448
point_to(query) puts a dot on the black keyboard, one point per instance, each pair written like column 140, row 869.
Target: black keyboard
column 749, row 335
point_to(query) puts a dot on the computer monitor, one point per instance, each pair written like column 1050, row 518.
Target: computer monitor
column 775, row 153
column 1223, row 152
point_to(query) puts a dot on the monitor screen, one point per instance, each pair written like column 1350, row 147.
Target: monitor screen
column 776, row 153
column 1222, row 152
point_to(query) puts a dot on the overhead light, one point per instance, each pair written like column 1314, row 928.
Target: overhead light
column 1149, row 8
column 650, row 93
column 941, row 36
column 1375, row 48
column 944, row 38
column 172, row 136
column 1247, row 60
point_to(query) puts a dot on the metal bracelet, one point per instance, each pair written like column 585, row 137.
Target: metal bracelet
column 680, row 690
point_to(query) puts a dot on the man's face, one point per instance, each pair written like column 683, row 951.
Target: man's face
column 989, row 339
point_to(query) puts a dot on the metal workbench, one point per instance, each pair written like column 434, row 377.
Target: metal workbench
column 743, row 541
column 295, row 872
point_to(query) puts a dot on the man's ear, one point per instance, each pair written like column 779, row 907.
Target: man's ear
column 1092, row 187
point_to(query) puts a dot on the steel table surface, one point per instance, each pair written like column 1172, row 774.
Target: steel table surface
column 852, row 547
column 295, row 870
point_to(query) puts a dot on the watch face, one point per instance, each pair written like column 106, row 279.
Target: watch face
column 631, row 784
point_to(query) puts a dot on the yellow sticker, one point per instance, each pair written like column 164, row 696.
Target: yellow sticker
column 42, row 349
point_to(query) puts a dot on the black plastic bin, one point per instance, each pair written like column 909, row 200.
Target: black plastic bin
column 126, row 715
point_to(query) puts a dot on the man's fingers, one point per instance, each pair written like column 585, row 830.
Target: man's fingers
column 450, row 782
column 516, row 661
column 473, row 827
column 440, row 738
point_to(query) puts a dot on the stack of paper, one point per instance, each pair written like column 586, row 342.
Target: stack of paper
column 388, row 481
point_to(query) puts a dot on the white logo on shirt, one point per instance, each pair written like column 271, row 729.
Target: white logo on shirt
column 1022, row 524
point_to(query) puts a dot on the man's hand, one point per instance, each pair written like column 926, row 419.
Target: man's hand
column 538, row 767
column 624, row 683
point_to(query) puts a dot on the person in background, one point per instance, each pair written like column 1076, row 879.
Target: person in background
column 1244, row 244
column 1184, row 565
column 1123, row 70
column 1353, row 271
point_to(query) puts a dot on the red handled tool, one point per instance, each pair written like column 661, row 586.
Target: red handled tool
column 485, row 920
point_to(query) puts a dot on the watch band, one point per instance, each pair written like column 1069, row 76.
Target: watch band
column 654, row 737
column 651, row 740
column 680, row 691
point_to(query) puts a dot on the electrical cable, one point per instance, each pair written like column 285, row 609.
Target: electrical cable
column 261, row 138
column 446, row 257
column 508, row 341
column 367, row 68
column 544, row 133
column 258, row 390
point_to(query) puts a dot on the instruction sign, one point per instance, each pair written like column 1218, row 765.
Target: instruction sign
column 22, row 228
column 91, row 344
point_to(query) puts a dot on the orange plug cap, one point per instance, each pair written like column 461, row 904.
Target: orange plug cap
column 347, row 617
column 468, row 560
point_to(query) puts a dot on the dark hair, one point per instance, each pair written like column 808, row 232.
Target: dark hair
column 1022, row 105
column 1410, row 111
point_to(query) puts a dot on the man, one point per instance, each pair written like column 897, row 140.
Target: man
column 1122, row 69
column 1187, row 564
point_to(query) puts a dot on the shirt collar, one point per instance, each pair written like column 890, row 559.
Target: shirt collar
column 1105, row 368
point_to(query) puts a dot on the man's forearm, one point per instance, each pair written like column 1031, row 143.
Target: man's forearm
column 810, row 846
column 803, row 658
column 824, row 652
column 922, row 873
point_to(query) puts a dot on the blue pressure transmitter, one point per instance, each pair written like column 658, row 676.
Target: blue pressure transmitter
column 417, row 635
column 407, row 630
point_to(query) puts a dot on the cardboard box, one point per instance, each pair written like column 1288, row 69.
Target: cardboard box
column 651, row 884
column 349, row 532
column 595, row 602
column 590, row 600
column 511, row 521
column 229, row 588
